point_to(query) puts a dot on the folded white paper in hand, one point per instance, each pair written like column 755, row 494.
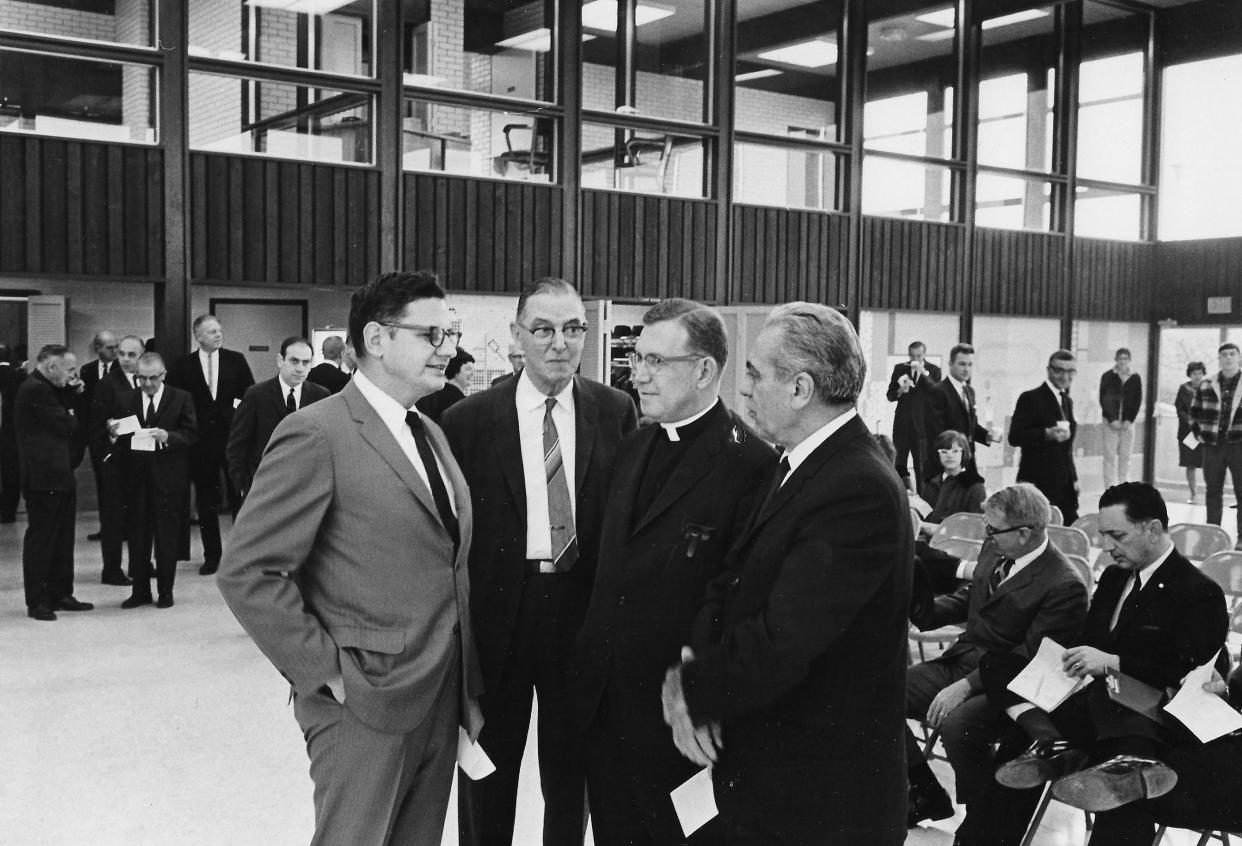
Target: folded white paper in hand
column 695, row 801
column 127, row 425
column 471, row 757
column 922, row 506
column 1190, row 441
column 144, row 440
column 1042, row 682
column 1205, row 714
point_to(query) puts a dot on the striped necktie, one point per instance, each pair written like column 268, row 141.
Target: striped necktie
column 1003, row 566
column 560, row 509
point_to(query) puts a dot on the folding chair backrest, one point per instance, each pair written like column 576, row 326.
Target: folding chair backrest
column 1090, row 524
column 1069, row 540
column 1083, row 566
column 1225, row 568
column 1058, row 518
column 1199, row 540
column 965, row 525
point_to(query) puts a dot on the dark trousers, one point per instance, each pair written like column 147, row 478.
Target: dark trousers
column 111, row 516
column 374, row 788
column 910, row 445
column 10, row 476
column 1217, row 458
column 628, row 786
column 538, row 662
column 155, row 519
column 207, row 468
column 967, row 732
column 47, row 551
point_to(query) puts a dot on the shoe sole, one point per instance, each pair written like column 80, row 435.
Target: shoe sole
column 1027, row 773
column 1098, row 790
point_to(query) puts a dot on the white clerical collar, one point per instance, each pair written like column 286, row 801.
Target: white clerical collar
column 811, row 442
column 670, row 429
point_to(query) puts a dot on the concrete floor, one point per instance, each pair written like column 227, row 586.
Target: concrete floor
column 169, row 728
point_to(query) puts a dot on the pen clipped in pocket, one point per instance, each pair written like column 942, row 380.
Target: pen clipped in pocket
column 695, row 534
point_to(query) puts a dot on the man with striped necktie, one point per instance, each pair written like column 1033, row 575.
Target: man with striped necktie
column 537, row 452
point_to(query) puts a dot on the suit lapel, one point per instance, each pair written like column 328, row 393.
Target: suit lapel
column 375, row 433
column 695, row 464
column 628, row 478
column 586, row 417
column 508, row 445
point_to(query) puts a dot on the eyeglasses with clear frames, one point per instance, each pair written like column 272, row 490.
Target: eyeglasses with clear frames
column 991, row 530
column 545, row 334
column 1067, row 370
column 154, row 377
column 435, row 335
column 950, row 451
column 655, row 363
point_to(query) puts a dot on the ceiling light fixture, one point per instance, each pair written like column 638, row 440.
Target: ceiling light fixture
column 537, row 40
column 301, row 7
column 759, row 74
column 1016, row 17
column 938, row 35
column 815, row 53
column 602, row 14
column 940, row 17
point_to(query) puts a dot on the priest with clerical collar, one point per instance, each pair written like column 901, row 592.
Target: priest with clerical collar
column 682, row 490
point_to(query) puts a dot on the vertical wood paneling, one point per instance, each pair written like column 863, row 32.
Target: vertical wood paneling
column 912, row 264
column 780, row 255
column 481, row 235
column 1019, row 273
column 77, row 207
column 1186, row 273
column 254, row 220
column 1113, row 279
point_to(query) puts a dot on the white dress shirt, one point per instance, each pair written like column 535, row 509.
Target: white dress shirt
column 1144, row 577
column 530, row 410
column 158, row 398
column 211, row 370
column 393, row 414
column 297, row 395
column 1021, row 562
column 1060, row 398
column 960, row 387
column 803, row 450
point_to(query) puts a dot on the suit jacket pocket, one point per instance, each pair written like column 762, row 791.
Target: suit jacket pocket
column 371, row 650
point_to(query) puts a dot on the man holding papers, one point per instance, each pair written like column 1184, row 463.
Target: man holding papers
column 154, row 434
column 1153, row 618
column 1023, row 591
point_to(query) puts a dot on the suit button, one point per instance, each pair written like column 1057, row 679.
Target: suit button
column 736, row 581
column 621, row 600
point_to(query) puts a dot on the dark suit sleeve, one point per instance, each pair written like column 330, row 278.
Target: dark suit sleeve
column 937, row 413
column 1026, row 429
column 948, row 609
column 982, row 435
column 820, row 590
column 241, row 433
column 629, row 417
column 246, row 378
column 893, row 387
column 185, row 434
column 1206, row 623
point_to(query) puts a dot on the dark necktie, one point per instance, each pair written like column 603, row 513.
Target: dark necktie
column 782, row 470
column 439, row 493
column 150, row 412
column 1003, row 566
column 291, row 405
column 560, row 510
column 1131, row 599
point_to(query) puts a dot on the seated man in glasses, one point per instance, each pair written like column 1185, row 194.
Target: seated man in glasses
column 1023, row 590
column 537, row 452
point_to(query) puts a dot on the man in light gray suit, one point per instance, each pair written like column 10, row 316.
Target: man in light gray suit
column 347, row 567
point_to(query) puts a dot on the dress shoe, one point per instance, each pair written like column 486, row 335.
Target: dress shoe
column 165, row 601
column 1044, row 760
column 40, row 612
column 137, row 601
column 208, row 568
column 927, row 802
column 94, row 536
column 69, row 603
column 118, row 578
column 1116, row 782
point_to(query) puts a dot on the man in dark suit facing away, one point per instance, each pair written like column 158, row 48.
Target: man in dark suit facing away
column 910, row 387
column 48, row 451
column 105, row 346
column 217, row 379
column 329, row 372
column 681, row 493
column 952, row 407
column 111, row 396
column 538, row 453
column 11, row 376
column 265, row 405
column 1043, row 425
column 156, row 463
column 794, row 682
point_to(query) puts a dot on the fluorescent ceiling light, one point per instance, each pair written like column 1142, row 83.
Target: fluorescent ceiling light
column 815, row 53
column 939, row 17
column 1016, row 17
column 301, row 7
column 602, row 14
column 938, row 35
column 537, row 40
column 759, row 74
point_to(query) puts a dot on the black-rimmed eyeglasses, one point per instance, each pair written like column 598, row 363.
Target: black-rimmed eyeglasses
column 435, row 335
column 544, row 334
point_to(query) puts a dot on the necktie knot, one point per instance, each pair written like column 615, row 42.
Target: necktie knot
column 412, row 419
column 549, row 404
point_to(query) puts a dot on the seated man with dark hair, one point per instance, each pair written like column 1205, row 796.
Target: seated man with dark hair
column 1154, row 617
column 1023, row 591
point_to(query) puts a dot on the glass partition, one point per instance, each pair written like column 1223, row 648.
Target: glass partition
column 116, row 21
column 787, row 177
column 478, row 142
column 1103, row 213
column 1016, row 90
column 1010, row 202
column 896, row 188
column 646, row 162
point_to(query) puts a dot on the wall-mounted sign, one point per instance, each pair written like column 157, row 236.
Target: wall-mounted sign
column 1220, row 305
column 259, row 348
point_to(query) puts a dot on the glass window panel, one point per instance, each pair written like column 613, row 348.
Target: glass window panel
column 489, row 48
column 646, row 162
column 1099, row 213
column 76, row 98
column 1015, row 93
column 1179, row 346
column 1095, row 343
column 1013, row 356
column 227, row 114
column 328, row 35
column 767, row 175
column 909, row 65
column 1110, row 93
column 781, row 92
column 905, row 189
column 478, row 142
column 117, row 21
column 1007, row 202
column 1200, row 169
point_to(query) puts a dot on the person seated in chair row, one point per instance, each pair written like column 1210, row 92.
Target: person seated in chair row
column 1154, row 617
column 957, row 488
column 1023, row 590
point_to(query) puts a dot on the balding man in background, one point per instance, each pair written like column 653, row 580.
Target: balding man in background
column 330, row 373
column 798, row 658
column 111, row 394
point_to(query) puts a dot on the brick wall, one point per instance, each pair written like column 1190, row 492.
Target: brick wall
column 133, row 26
column 215, row 101
column 52, row 20
column 278, row 45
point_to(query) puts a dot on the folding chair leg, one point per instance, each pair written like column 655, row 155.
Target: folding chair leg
column 1038, row 817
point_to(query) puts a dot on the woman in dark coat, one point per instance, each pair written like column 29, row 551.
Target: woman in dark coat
column 1187, row 457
